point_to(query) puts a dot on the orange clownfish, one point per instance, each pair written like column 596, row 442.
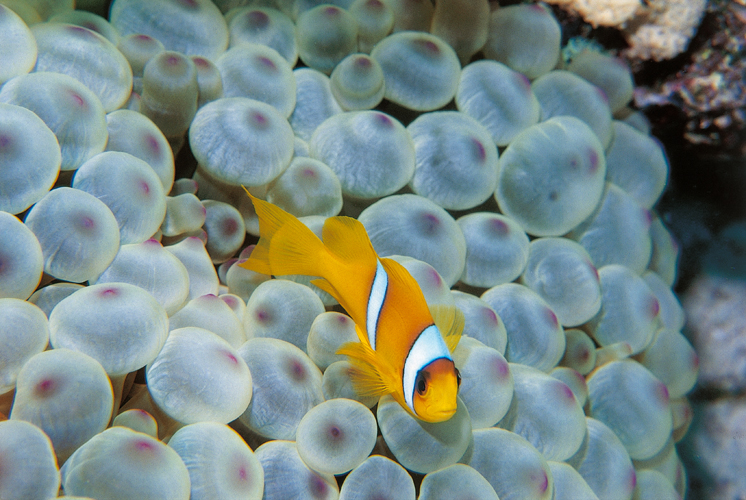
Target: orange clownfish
column 402, row 350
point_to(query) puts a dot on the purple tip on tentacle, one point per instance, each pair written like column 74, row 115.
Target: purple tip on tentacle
column 655, row 307
column 500, row 368
column 267, row 63
column 258, row 19
column 551, row 317
column 45, row 388
column 230, row 357
column 296, row 370
column 426, row 47
column 481, row 153
column 331, row 11
column 229, row 226
column 363, row 62
column 592, row 161
column 318, row 487
column 499, row 227
column 383, row 120
column 430, row 223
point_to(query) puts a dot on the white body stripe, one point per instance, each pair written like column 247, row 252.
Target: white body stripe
column 375, row 303
column 428, row 347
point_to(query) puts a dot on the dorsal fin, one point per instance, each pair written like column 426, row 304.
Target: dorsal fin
column 450, row 322
column 347, row 239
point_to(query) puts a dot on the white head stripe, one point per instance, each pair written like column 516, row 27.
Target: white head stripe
column 375, row 302
column 428, row 347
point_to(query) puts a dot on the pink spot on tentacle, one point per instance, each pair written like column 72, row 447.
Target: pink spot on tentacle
column 77, row 99
column 191, row 4
column 152, row 242
column 335, row 433
column 144, row 38
column 654, row 307
column 595, row 271
column 297, row 371
column 230, row 357
column 309, row 172
column 45, row 388
column 144, row 446
column 5, row 141
column 542, row 481
column 144, row 187
column 172, row 60
column 426, row 47
column 632, row 479
column 318, row 487
column 500, row 368
column 257, row 19
column 374, row 4
column 383, row 120
column 80, row 30
column 109, row 292
column 153, row 145
column 498, row 227
column 566, row 392
column 551, row 317
column 258, row 120
column 435, row 277
column 87, row 222
column 592, row 161
column 491, row 316
column 342, row 319
column 648, row 216
column 602, row 95
column 229, row 226
column 695, row 360
column 266, row 63
column 263, row 316
column 479, row 150
column 523, row 81
column 201, row 62
column 584, row 354
column 229, row 300
column 430, row 223
column 331, row 11
column 363, row 62
column 661, row 392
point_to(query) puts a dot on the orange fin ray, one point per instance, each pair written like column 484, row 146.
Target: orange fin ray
column 286, row 245
column 370, row 377
column 327, row 287
column 450, row 322
column 347, row 239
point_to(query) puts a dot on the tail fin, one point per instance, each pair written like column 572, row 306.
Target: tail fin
column 295, row 248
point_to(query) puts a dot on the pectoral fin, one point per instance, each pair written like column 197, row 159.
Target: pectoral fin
column 370, row 377
column 450, row 322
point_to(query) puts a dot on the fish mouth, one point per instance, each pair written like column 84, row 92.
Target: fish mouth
column 443, row 415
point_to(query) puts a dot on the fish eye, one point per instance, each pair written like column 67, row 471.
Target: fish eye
column 458, row 377
column 421, row 384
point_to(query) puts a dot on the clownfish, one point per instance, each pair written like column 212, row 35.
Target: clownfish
column 404, row 347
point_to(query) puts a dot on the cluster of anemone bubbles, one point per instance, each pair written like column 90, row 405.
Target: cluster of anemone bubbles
column 137, row 360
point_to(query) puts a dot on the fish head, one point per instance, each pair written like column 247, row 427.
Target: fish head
column 435, row 391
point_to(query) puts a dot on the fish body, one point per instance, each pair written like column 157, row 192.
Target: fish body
column 401, row 350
